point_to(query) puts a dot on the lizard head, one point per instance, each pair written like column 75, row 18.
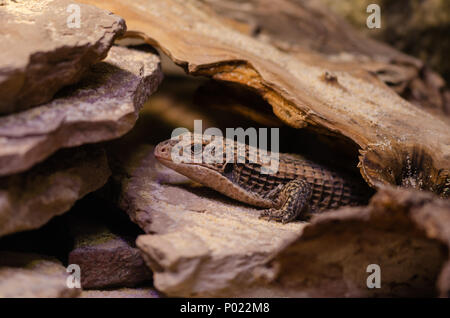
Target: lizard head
column 213, row 161
column 199, row 158
column 206, row 159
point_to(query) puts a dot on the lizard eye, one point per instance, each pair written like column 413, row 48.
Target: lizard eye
column 228, row 170
column 196, row 149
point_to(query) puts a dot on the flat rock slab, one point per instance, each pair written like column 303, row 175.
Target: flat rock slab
column 404, row 232
column 204, row 246
column 102, row 106
column 202, row 242
column 142, row 292
column 106, row 259
column 33, row 276
column 30, row 199
column 51, row 53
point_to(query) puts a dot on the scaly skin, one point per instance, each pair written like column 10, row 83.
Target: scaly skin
column 297, row 186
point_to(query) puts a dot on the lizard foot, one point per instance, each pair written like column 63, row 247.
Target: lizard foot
column 292, row 200
column 277, row 215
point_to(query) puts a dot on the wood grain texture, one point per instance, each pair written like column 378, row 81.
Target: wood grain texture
column 400, row 143
column 309, row 25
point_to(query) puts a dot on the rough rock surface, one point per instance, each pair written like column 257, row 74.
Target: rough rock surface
column 202, row 241
column 30, row 275
column 102, row 106
column 415, row 27
column 106, row 259
column 403, row 231
column 143, row 292
column 51, row 54
column 30, row 199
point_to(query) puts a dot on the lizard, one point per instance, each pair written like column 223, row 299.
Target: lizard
column 298, row 186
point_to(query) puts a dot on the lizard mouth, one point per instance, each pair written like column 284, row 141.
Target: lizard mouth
column 162, row 151
column 198, row 173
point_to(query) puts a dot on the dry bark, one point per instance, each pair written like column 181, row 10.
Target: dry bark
column 305, row 91
column 299, row 26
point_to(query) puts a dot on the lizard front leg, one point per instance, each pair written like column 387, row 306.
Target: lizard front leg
column 292, row 199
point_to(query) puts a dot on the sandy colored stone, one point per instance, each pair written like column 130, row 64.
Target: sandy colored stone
column 102, row 106
column 30, row 199
column 106, row 259
column 405, row 232
column 202, row 245
column 143, row 292
column 202, row 241
column 33, row 276
column 305, row 91
column 51, row 54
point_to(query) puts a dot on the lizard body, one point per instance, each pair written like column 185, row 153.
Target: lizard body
column 298, row 185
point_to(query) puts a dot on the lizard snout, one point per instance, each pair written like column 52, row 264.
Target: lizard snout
column 163, row 150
